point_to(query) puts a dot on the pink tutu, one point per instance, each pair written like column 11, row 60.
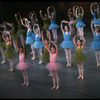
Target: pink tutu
column 52, row 66
column 22, row 65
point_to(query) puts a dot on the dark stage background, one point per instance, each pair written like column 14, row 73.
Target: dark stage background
column 8, row 9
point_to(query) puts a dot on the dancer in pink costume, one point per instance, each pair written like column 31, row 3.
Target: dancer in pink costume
column 53, row 66
column 22, row 65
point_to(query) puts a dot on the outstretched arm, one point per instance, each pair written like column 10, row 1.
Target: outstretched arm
column 3, row 37
column 91, row 8
column 92, row 26
column 61, row 26
column 42, row 37
column 48, row 12
column 41, row 14
column 74, row 41
column 82, row 11
column 69, row 12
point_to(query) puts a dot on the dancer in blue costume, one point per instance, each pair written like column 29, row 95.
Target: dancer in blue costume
column 95, row 13
column 20, row 31
column 80, row 24
column 13, row 35
column 79, row 58
column 46, row 22
column 30, row 38
column 9, row 52
column 38, row 44
column 53, row 27
column 67, row 44
column 95, row 45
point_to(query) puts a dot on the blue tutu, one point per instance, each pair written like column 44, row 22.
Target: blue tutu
column 37, row 44
column 80, row 23
column 96, row 21
column 67, row 43
column 95, row 45
column 29, row 38
column 53, row 25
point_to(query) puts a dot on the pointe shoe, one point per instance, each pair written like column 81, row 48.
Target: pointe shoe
column 79, row 77
column 82, row 77
column 27, row 84
column 33, row 58
column 57, row 87
column 52, row 87
column 49, row 75
column 9, row 70
column 24, row 83
column 40, row 62
column 3, row 62
column 67, row 65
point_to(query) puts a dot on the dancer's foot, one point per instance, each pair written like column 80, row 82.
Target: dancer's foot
column 31, row 52
column 53, row 87
column 33, row 58
column 67, row 65
column 57, row 87
column 24, row 83
column 9, row 70
column 49, row 75
column 3, row 62
column 79, row 77
column 40, row 62
column 27, row 84
column 82, row 77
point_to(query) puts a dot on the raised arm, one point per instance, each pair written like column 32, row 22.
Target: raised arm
column 17, row 45
column 62, row 27
column 9, row 24
column 92, row 26
column 3, row 36
column 69, row 12
column 74, row 41
column 26, row 22
column 42, row 36
column 97, row 6
column 84, row 41
column 76, row 12
column 91, row 8
column 41, row 14
column 48, row 32
column 82, row 11
column 54, row 11
column 48, row 12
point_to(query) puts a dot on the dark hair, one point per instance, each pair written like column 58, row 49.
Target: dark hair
column 65, row 24
column 80, row 41
column 52, row 46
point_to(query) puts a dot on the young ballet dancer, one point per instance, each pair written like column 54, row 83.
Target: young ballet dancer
column 30, row 38
column 53, row 66
column 22, row 65
column 71, row 18
column 79, row 58
column 46, row 22
column 53, row 27
column 20, row 31
column 13, row 35
column 67, row 44
column 95, row 13
column 9, row 52
column 2, row 45
column 95, row 45
column 80, row 24
column 38, row 44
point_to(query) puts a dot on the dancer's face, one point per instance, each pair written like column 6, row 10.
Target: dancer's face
column 53, row 50
column 66, row 28
column 45, row 41
column 97, row 29
column 79, row 42
column 21, row 50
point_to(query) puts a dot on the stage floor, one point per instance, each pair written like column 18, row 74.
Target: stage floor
column 40, row 84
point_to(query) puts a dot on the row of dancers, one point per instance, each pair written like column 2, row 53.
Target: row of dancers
column 33, row 38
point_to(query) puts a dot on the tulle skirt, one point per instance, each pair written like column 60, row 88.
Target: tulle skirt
column 46, row 26
column 29, row 40
column 53, row 26
column 22, row 65
column 80, row 24
column 95, row 45
column 53, row 66
column 67, row 44
column 96, row 21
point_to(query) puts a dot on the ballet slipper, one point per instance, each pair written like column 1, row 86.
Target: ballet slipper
column 9, row 70
column 67, row 65
column 31, row 52
column 57, row 87
column 3, row 62
column 49, row 75
column 27, row 84
column 24, row 83
column 79, row 77
column 82, row 77
column 33, row 58
column 40, row 62
column 52, row 87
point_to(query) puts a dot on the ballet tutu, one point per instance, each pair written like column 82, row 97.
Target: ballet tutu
column 22, row 65
column 9, row 53
column 38, row 44
column 46, row 55
column 80, row 24
column 67, row 44
column 75, row 22
column 96, row 21
column 14, row 36
column 46, row 26
column 53, row 66
column 29, row 40
column 2, row 45
column 95, row 45
column 79, row 58
column 53, row 26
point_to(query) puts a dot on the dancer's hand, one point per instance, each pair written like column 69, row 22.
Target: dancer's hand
column 40, row 11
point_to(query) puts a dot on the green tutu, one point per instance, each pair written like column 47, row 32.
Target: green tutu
column 75, row 22
column 13, row 34
column 2, row 44
column 20, row 30
column 46, row 55
column 9, row 53
column 46, row 24
column 79, row 57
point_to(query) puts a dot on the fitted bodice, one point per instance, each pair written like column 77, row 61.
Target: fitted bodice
column 66, row 36
column 52, row 21
column 53, row 57
column 96, row 37
column 21, row 57
column 37, row 37
column 79, row 50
